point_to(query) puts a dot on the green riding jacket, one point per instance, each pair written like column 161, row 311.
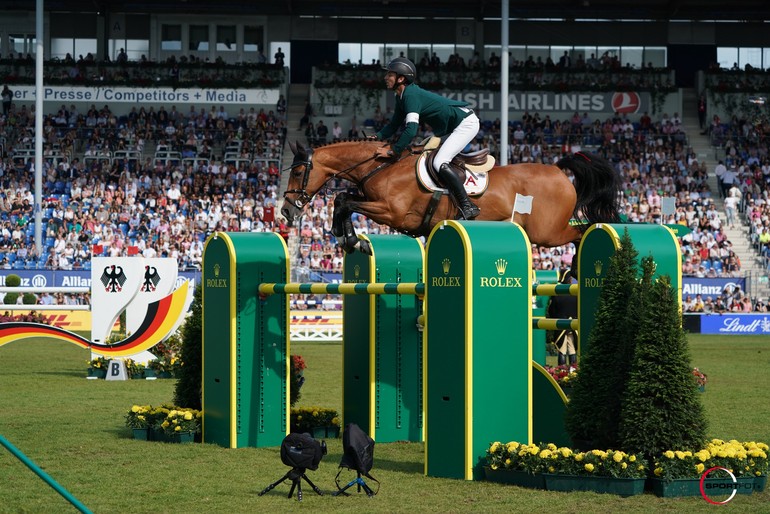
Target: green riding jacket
column 440, row 112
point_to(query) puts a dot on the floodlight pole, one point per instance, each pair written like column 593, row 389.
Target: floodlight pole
column 504, row 21
column 38, row 210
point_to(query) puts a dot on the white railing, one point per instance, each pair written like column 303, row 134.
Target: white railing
column 22, row 290
column 40, row 307
column 320, row 326
column 320, row 333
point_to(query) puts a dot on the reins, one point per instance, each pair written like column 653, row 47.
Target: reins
column 304, row 197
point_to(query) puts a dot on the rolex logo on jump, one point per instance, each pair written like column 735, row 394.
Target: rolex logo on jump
column 216, row 281
column 357, row 278
column 446, row 280
column 598, row 280
column 500, row 280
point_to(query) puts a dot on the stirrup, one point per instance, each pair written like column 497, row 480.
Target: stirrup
column 469, row 211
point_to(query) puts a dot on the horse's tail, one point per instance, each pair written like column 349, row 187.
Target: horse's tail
column 597, row 185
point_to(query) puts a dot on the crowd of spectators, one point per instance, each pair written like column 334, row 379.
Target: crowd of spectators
column 569, row 72
column 211, row 170
column 175, row 71
column 744, row 175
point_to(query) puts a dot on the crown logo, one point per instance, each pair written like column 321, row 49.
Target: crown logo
column 501, row 264
column 216, row 270
column 356, row 271
column 598, row 267
column 446, row 264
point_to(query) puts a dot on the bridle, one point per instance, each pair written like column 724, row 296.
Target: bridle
column 303, row 197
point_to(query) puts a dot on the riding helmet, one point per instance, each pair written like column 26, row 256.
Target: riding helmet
column 403, row 66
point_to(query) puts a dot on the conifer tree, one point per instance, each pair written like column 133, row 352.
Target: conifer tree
column 593, row 413
column 661, row 405
column 189, row 386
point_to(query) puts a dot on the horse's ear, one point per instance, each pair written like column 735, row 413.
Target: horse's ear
column 293, row 147
column 300, row 148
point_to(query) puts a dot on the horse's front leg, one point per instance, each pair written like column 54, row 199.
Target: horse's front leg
column 342, row 223
column 340, row 211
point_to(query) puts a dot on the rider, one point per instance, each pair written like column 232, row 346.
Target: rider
column 445, row 116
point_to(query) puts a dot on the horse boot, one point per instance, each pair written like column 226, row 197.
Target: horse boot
column 349, row 239
column 468, row 209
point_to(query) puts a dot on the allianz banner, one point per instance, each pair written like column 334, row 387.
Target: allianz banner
column 712, row 287
column 74, row 278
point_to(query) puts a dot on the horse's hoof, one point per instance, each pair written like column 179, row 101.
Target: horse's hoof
column 364, row 247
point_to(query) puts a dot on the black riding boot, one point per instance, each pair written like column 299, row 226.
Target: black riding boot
column 467, row 208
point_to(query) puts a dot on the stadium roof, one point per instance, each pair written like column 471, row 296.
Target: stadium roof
column 701, row 10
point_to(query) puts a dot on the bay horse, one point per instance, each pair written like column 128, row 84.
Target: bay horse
column 389, row 193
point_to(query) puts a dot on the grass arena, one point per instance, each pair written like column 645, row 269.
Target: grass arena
column 76, row 433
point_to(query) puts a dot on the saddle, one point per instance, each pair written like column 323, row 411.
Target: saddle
column 462, row 161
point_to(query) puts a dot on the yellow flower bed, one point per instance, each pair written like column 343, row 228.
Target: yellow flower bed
column 549, row 458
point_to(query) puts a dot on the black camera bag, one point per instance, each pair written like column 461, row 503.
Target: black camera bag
column 301, row 451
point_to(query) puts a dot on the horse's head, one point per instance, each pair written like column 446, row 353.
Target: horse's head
column 303, row 184
column 310, row 170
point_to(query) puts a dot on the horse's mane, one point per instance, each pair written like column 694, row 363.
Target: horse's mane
column 347, row 140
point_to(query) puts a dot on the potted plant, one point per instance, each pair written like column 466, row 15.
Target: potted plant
column 515, row 463
column 175, row 366
column 316, row 421
column 138, row 419
column 298, row 367
column 564, row 375
column 181, row 425
column 167, row 356
column 601, row 471
column 157, row 415
column 562, row 469
column 134, row 369
column 679, row 473
column 163, row 423
column 97, row 367
column 700, row 379
column 161, row 367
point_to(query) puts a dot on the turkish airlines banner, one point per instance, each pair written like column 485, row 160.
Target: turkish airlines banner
column 623, row 102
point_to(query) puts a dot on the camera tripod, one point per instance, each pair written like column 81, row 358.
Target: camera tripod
column 357, row 481
column 296, row 475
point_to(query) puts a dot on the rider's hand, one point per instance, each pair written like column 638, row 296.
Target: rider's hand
column 385, row 152
column 372, row 137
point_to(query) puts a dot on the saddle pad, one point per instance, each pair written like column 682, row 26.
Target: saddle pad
column 475, row 186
